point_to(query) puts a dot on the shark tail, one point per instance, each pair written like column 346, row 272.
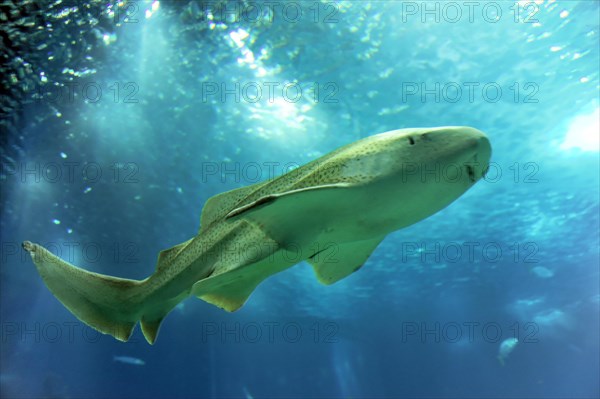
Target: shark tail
column 110, row 305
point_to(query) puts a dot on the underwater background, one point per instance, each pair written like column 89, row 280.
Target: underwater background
column 119, row 120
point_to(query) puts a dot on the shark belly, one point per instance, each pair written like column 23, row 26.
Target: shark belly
column 315, row 217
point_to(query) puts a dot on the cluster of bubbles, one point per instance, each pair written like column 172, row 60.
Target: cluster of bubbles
column 46, row 46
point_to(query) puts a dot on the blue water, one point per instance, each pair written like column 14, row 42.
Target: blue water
column 119, row 122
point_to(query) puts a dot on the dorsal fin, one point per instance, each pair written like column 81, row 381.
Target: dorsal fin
column 231, row 297
column 340, row 260
column 166, row 257
column 221, row 204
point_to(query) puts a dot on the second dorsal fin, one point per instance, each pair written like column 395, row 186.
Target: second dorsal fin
column 165, row 258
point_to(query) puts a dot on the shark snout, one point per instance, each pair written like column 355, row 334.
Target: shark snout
column 480, row 160
column 476, row 150
column 462, row 145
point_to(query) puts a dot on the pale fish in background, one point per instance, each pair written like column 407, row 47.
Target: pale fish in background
column 129, row 360
column 247, row 395
column 506, row 347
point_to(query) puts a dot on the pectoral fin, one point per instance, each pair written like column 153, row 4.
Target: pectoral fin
column 340, row 260
column 232, row 296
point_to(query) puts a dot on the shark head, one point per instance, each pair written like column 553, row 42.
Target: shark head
column 455, row 155
column 451, row 154
column 413, row 173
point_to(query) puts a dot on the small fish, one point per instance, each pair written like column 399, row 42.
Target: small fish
column 129, row 360
column 247, row 395
column 506, row 347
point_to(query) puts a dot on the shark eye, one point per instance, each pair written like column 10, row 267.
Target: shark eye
column 411, row 140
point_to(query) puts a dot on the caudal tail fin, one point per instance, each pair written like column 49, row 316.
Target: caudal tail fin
column 110, row 305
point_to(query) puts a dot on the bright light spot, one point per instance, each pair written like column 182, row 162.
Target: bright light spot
column 542, row 272
column 551, row 317
column 584, row 132
column 248, row 57
column 108, row 39
column 524, row 3
column 56, row 221
column 386, row 74
column 69, row 231
column 148, row 14
column 155, row 6
column 529, row 302
column 63, row 155
column 87, row 190
column 564, row 14
column 238, row 36
column 554, row 49
column 285, row 109
column 585, row 79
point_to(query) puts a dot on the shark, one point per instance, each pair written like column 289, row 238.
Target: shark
column 332, row 213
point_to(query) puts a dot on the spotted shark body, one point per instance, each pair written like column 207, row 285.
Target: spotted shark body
column 332, row 212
